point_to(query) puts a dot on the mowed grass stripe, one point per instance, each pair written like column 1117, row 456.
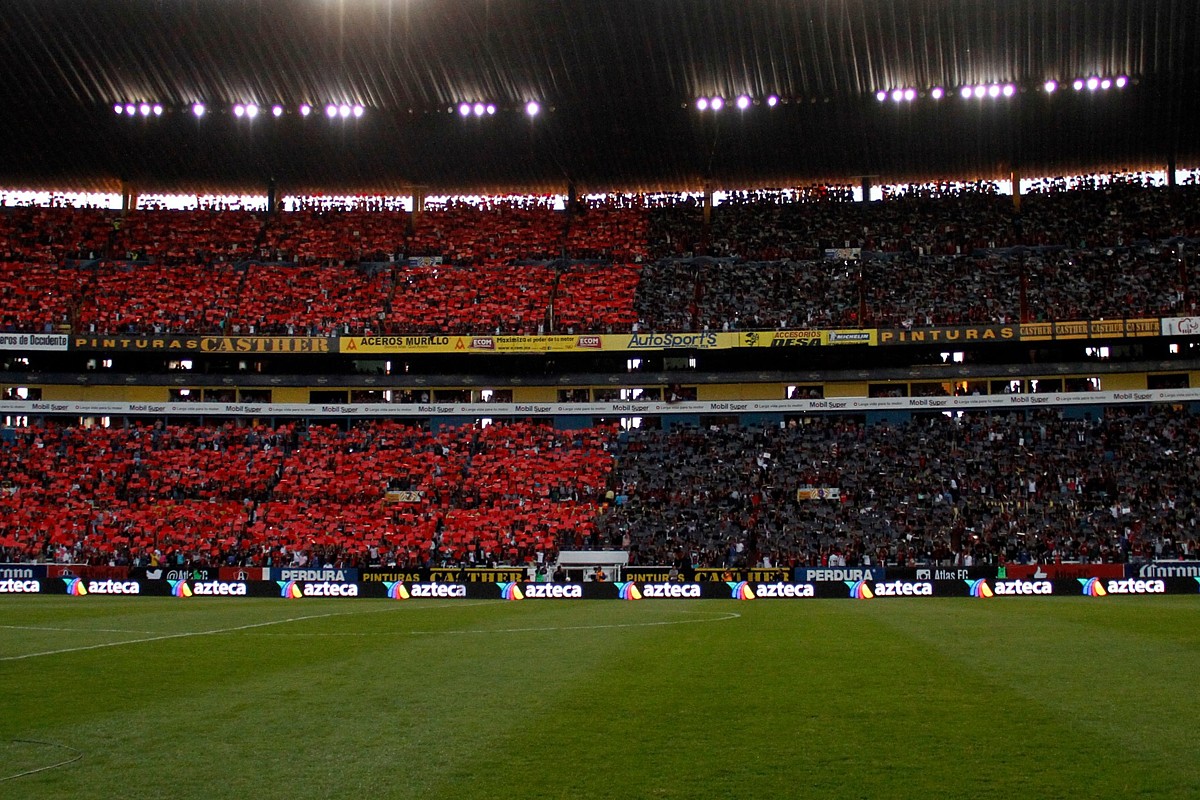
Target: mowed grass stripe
column 886, row 698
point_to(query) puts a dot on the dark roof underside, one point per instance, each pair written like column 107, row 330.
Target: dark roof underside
column 617, row 78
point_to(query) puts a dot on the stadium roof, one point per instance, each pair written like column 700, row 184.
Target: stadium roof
column 617, row 82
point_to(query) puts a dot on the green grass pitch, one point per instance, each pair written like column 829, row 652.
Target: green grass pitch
column 200, row 698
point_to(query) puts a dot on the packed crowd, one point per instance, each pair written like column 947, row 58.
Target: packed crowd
column 277, row 496
column 978, row 489
column 770, row 259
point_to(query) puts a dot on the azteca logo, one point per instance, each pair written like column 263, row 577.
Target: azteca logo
column 1092, row 587
column 859, row 590
column 290, row 590
column 510, row 591
column 740, row 590
column 979, row 588
column 75, row 587
column 628, row 591
column 180, row 589
column 396, row 590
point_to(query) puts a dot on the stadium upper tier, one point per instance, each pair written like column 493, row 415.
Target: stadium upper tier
column 1091, row 485
column 765, row 260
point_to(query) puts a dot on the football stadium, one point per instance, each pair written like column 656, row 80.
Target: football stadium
column 665, row 399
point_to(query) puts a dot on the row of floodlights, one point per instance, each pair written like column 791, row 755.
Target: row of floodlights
column 995, row 90
column 742, row 102
column 242, row 110
column 532, row 108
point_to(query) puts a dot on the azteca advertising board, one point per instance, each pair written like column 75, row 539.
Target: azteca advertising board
column 866, row 587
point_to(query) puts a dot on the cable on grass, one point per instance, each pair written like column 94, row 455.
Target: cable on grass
column 78, row 755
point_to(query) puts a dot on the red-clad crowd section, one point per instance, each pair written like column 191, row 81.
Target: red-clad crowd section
column 380, row 492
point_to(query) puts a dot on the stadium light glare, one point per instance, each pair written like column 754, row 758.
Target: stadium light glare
column 897, row 95
column 1093, row 84
column 464, row 109
column 532, row 108
column 1106, row 84
column 119, row 109
column 980, row 91
column 717, row 103
column 1009, row 90
column 743, row 102
column 993, row 91
column 965, row 92
column 881, row 95
column 144, row 108
column 479, row 109
column 1050, row 86
column 305, row 109
column 251, row 110
column 1122, row 81
column 491, row 109
column 239, row 110
column 198, row 110
column 1078, row 84
column 158, row 109
column 344, row 110
column 772, row 101
column 331, row 111
column 910, row 94
column 937, row 93
column 358, row 111
column 277, row 110
column 130, row 109
column 702, row 103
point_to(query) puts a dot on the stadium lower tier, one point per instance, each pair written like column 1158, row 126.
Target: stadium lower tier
column 982, row 487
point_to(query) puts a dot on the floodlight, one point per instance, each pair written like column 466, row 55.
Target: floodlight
column 532, row 108
column 344, row 110
column 331, row 111
column 1121, row 81
column 1106, row 84
column 251, row 110
column 277, row 110
column 1050, row 86
column 239, row 110
column 717, row 103
column 464, row 109
column 966, row 92
column 1009, row 90
column 120, row 109
column 743, row 102
column 937, row 93
column 305, row 109
column 910, row 94
column 358, row 111
column 897, row 95
column 1093, row 84
column 772, row 101
column 479, row 109
column 144, row 108
column 881, row 95
column 702, row 103
column 198, row 109
column 993, row 91
column 1078, row 84
column 491, row 109
column 980, row 91
column 131, row 109
column 158, row 109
